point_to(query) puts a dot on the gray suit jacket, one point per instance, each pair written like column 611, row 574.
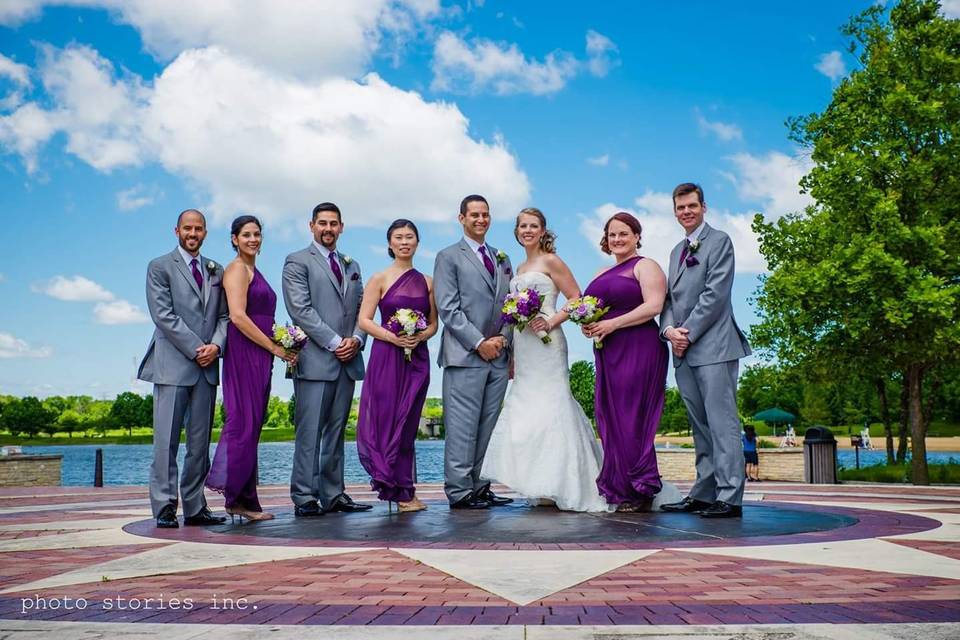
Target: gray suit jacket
column 698, row 299
column 468, row 303
column 318, row 305
column 186, row 318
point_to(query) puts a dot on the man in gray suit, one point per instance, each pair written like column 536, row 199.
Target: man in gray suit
column 707, row 344
column 470, row 281
column 189, row 309
column 322, row 289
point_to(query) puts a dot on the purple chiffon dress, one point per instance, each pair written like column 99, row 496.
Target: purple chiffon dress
column 631, row 381
column 246, row 389
column 392, row 398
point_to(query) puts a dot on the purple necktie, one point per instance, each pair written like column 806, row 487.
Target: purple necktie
column 196, row 273
column 335, row 267
column 487, row 262
column 683, row 254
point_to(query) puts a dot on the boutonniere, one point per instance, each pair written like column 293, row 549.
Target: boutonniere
column 693, row 246
column 211, row 267
column 346, row 259
column 501, row 257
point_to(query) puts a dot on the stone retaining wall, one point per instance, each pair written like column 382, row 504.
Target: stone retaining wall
column 30, row 471
column 775, row 464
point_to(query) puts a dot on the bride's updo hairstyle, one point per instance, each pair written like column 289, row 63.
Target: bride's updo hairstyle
column 548, row 242
column 625, row 218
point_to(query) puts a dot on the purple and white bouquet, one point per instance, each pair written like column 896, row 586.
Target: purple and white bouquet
column 290, row 337
column 406, row 322
column 520, row 308
column 586, row 310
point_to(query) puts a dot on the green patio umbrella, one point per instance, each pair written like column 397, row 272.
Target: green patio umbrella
column 774, row 417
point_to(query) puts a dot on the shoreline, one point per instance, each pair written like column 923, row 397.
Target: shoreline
column 879, row 444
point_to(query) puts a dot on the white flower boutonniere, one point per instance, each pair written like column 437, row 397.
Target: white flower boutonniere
column 501, row 257
column 346, row 259
column 211, row 267
column 693, row 246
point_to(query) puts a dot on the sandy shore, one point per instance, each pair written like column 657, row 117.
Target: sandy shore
column 933, row 444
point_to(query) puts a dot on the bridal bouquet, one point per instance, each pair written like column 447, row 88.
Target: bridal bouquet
column 407, row 322
column 586, row 310
column 290, row 337
column 521, row 307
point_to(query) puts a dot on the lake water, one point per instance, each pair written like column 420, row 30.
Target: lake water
column 130, row 463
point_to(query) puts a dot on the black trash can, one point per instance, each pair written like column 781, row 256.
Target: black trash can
column 819, row 456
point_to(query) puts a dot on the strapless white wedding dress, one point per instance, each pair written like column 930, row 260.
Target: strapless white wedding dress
column 543, row 446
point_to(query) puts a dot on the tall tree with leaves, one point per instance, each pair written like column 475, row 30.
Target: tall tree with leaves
column 871, row 272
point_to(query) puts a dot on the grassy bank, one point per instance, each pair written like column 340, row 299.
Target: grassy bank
column 940, row 473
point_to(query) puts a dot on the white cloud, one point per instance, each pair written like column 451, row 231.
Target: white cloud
column 602, row 54
column 483, row 65
column 832, row 65
column 771, row 181
column 119, row 312
column 13, row 347
column 134, row 198
column 309, row 39
column 950, row 8
column 19, row 75
column 73, row 289
column 724, row 131
column 273, row 145
column 600, row 161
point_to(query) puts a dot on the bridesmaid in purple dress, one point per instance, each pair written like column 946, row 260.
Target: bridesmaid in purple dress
column 247, row 365
column 631, row 367
column 395, row 389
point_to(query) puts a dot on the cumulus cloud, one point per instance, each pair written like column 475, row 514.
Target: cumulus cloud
column 484, row 65
column 832, row 65
column 73, row 289
column 600, row 161
column 19, row 76
column 108, row 310
column 602, row 54
column 134, row 198
column 725, row 132
column 308, row 39
column 13, row 347
column 771, row 181
column 270, row 144
column 119, row 312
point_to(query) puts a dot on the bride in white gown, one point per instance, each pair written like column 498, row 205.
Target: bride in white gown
column 543, row 445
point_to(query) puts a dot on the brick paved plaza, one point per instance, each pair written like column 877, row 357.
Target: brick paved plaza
column 851, row 558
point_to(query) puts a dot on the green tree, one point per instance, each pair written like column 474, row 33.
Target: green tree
column 277, row 415
column 145, row 415
column 69, row 421
column 870, row 274
column 26, row 416
column 292, row 408
column 127, row 411
column 582, row 385
column 674, row 418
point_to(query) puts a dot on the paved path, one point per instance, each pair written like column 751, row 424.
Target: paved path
column 75, row 561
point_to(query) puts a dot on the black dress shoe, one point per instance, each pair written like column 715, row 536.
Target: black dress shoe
column 492, row 498
column 687, row 505
column 346, row 504
column 470, row 501
column 307, row 510
column 167, row 518
column 203, row 518
column 721, row 509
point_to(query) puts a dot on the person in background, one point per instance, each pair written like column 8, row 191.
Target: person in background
column 750, row 457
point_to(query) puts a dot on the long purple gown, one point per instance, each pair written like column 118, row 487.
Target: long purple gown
column 631, row 381
column 392, row 398
column 246, row 390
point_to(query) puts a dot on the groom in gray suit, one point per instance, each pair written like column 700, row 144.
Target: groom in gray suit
column 322, row 289
column 189, row 309
column 471, row 279
column 707, row 344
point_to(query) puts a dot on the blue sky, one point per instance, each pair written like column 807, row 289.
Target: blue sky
column 114, row 116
